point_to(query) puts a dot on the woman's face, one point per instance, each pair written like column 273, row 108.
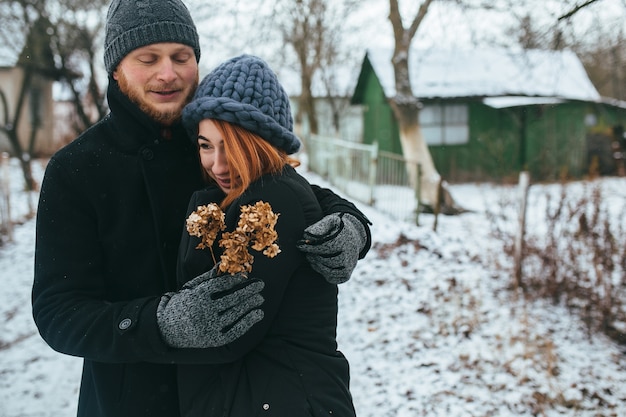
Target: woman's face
column 212, row 154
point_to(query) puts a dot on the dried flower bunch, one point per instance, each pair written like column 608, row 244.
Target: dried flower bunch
column 206, row 222
column 256, row 228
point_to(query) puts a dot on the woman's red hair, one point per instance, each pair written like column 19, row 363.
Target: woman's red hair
column 249, row 156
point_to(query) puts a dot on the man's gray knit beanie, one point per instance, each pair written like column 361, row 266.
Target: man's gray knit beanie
column 132, row 24
column 246, row 92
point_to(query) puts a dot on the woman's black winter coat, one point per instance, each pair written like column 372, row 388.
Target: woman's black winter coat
column 109, row 220
column 287, row 364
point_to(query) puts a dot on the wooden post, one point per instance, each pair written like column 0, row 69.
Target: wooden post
column 6, row 223
column 373, row 171
column 438, row 201
column 524, row 180
column 418, row 198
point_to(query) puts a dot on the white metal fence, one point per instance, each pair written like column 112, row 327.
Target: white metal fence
column 365, row 173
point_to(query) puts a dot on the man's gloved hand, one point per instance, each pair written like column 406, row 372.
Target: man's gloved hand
column 210, row 310
column 332, row 246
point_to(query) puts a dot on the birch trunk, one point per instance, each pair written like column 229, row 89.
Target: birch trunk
column 433, row 193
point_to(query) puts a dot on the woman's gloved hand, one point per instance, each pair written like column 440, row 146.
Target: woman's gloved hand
column 210, row 310
column 332, row 246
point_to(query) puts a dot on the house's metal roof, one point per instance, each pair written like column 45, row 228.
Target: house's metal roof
column 441, row 73
column 517, row 101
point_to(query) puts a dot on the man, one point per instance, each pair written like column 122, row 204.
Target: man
column 111, row 212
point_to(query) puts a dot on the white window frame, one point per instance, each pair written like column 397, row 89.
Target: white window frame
column 445, row 124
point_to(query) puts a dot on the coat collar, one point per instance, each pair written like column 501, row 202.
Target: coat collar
column 135, row 128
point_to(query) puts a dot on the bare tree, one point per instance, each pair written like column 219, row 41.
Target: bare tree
column 59, row 45
column 531, row 36
column 433, row 191
column 314, row 29
column 605, row 63
column 602, row 50
column 36, row 62
column 599, row 42
column 77, row 55
column 307, row 36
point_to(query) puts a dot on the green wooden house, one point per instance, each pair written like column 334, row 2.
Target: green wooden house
column 487, row 114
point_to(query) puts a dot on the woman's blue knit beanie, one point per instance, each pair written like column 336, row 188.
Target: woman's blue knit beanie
column 246, row 92
column 132, row 24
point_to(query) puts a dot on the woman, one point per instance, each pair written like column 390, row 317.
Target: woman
column 288, row 364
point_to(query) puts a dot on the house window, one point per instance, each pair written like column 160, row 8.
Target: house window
column 445, row 124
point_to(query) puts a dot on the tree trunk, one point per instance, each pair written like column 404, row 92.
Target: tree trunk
column 433, row 191
column 307, row 101
column 415, row 149
column 405, row 105
column 10, row 128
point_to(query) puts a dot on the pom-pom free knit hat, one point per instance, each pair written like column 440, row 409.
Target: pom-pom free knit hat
column 246, row 92
column 132, row 24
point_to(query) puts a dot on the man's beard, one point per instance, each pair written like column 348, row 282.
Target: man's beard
column 165, row 118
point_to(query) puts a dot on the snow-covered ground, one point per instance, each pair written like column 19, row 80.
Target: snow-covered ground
column 426, row 323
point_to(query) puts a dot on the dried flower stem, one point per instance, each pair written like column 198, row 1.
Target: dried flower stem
column 256, row 228
column 206, row 222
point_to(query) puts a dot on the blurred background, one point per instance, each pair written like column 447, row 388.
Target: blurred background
column 470, row 90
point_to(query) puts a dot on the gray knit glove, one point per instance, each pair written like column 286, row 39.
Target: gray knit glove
column 210, row 310
column 332, row 246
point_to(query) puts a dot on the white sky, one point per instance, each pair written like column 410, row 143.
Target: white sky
column 445, row 25
column 222, row 36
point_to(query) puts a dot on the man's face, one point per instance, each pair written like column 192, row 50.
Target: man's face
column 160, row 78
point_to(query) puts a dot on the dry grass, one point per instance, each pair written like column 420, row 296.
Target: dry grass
column 578, row 260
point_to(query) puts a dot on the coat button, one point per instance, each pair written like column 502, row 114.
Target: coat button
column 266, row 406
column 125, row 324
column 147, row 154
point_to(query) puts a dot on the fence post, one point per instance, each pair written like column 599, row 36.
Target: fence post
column 332, row 161
column 6, row 224
column 437, row 208
column 524, row 179
column 373, row 171
column 418, row 189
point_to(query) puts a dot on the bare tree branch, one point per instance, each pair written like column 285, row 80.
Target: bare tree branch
column 419, row 17
column 576, row 9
